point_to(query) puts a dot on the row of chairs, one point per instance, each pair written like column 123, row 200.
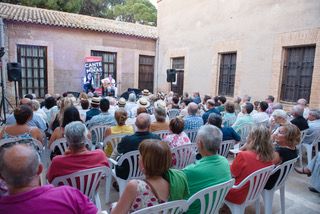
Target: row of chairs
column 211, row 198
column 315, row 136
column 88, row 181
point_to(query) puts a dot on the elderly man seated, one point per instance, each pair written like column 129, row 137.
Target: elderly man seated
column 131, row 142
column 298, row 119
column 246, row 110
column 192, row 121
column 212, row 169
column 314, row 125
column 78, row 157
column 20, row 169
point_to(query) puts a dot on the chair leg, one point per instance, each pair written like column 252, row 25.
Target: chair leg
column 97, row 201
column 282, row 199
column 236, row 208
column 108, row 188
column 257, row 205
column 268, row 201
column 309, row 153
column 122, row 185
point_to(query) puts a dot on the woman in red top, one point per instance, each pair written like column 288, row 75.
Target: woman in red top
column 258, row 153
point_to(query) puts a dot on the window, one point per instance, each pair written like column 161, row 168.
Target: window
column 297, row 73
column 227, row 74
column 178, row 64
column 146, row 72
column 33, row 61
column 109, row 63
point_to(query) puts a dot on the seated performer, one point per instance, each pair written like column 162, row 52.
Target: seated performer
column 88, row 83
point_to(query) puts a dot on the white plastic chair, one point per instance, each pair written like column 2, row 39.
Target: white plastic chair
column 162, row 133
column 263, row 123
column 257, row 181
column 113, row 140
column 192, row 134
column 87, row 181
column 172, row 113
column 284, row 171
column 134, row 172
column 299, row 146
column 215, row 197
column 98, row 131
column 244, row 132
column 61, row 144
column 316, row 139
column 225, row 147
column 184, row 155
column 178, row 206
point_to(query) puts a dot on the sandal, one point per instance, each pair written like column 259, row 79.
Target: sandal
column 303, row 170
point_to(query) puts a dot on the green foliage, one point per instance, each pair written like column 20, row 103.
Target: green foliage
column 140, row 11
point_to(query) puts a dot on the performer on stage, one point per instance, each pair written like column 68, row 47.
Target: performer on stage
column 88, row 80
column 109, row 86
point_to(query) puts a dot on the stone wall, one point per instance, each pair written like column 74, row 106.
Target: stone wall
column 67, row 49
column 256, row 30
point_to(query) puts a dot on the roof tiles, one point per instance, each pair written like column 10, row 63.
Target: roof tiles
column 56, row 18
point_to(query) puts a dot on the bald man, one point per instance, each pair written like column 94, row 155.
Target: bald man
column 20, row 169
column 131, row 142
column 192, row 121
column 36, row 120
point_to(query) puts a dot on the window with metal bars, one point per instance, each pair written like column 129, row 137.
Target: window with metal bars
column 178, row 64
column 33, row 61
column 297, row 73
column 227, row 74
column 109, row 63
column 146, row 72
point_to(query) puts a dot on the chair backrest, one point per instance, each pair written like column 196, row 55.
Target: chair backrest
column 61, row 144
column 133, row 161
column 192, row 134
column 113, row 140
column 263, row 123
column 172, row 113
column 98, row 131
column 184, row 155
column 314, row 136
column 225, row 147
column 211, row 198
column 17, row 140
column 256, row 181
column 162, row 133
column 229, row 121
column 87, row 181
column 284, row 170
column 244, row 132
column 176, row 207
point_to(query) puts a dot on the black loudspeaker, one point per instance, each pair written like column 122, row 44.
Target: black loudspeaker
column 171, row 75
column 14, row 71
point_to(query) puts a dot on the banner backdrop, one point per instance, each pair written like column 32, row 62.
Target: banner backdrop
column 93, row 66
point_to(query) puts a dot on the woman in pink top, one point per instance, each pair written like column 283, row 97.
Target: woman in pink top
column 258, row 154
column 178, row 137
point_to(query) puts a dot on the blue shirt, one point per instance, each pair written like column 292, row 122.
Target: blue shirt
column 206, row 115
column 229, row 133
column 192, row 122
column 36, row 121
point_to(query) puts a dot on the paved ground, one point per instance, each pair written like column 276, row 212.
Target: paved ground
column 298, row 197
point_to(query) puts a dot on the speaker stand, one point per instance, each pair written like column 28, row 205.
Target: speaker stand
column 15, row 92
column 4, row 100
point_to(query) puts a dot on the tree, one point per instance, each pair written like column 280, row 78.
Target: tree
column 141, row 11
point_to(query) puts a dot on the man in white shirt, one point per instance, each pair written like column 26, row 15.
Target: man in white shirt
column 261, row 116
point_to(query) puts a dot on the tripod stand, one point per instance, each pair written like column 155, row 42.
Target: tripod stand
column 4, row 100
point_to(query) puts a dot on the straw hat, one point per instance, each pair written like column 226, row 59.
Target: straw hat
column 121, row 102
column 96, row 100
column 160, row 104
column 143, row 102
column 146, row 92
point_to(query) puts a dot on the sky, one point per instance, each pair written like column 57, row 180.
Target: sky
column 154, row 2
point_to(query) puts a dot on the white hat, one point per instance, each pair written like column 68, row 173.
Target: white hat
column 143, row 102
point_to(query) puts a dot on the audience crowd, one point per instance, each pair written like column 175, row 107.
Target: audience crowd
column 273, row 138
